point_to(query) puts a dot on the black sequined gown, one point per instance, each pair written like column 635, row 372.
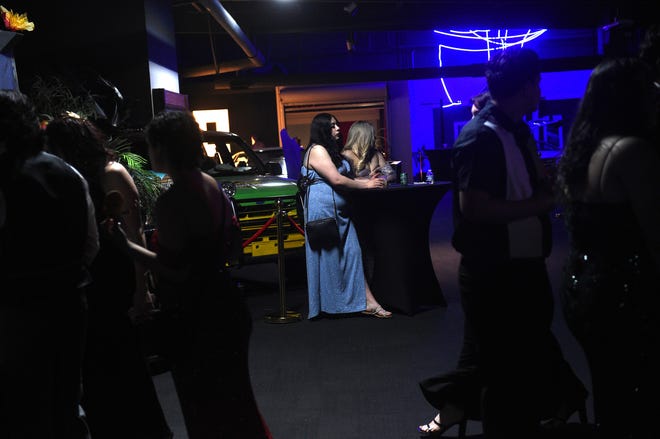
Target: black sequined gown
column 119, row 396
column 610, row 302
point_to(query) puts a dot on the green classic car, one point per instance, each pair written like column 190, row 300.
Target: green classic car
column 255, row 188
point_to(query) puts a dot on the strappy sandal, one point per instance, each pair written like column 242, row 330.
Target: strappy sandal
column 430, row 431
column 378, row 312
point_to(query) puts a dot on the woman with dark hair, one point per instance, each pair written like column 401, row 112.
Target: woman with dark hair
column 114, row 365
column 208, row 323
column 335, row 276
column 609, row 181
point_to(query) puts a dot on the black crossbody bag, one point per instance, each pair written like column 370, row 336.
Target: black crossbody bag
column 321, row 233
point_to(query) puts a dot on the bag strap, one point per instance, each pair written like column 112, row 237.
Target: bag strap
column 306, row 203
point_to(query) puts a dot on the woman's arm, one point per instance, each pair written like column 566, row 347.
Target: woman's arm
column 320, row 161
column 117, row 178
column 380, row 165
column 150, row 260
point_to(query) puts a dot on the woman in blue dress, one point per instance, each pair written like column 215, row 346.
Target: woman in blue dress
column 335, row 276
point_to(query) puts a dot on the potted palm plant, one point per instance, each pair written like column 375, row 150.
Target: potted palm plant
column 52, row 97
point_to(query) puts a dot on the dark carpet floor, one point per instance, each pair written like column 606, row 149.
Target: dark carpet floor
column 357, row 377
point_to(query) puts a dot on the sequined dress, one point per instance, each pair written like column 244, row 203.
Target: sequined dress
column 610, row 302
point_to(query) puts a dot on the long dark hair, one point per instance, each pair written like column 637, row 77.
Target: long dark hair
column 79, row 142
column 320, row 133
column 618, row 101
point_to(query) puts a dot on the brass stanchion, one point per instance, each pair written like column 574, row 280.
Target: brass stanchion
column 284, row 315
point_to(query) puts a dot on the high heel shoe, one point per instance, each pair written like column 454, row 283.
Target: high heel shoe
column 428, row 430
column 566, row 411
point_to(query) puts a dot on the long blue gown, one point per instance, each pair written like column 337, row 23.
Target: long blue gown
column 335, row 277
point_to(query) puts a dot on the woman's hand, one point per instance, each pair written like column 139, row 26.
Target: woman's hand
column 375, row 173
column 376, row 183
column 112, row 227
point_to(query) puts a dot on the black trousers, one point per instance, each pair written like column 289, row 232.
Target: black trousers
column 508, row 313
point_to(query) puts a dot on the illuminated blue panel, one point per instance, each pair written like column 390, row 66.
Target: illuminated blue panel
column 475, row 47
column 560, row 90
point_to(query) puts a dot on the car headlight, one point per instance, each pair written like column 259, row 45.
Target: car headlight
column 229, row 188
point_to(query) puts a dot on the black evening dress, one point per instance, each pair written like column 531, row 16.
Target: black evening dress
column 206, row 328
column 119, row 396
column 610, row 302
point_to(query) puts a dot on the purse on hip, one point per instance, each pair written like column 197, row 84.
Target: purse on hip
column 322, row 233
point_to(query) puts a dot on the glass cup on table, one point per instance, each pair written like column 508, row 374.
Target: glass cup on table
column 385, row 172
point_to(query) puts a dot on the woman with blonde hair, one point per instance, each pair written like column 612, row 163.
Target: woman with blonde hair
column 361, row 152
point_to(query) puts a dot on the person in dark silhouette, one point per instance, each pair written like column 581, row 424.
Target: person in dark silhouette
column 456, row 394
column 609, row 182
column 208, row 323
column 119, row 397
column 479, row 101
column 47, row 240
column 501, row 206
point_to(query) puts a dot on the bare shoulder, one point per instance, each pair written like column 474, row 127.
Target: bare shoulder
column 208, row 179
column 317, row 154
column 210, row 183
column 630, row 165
column 630, row 151
column 114, row 167
column 317, row 149
column 117, row 177
column 115, row 173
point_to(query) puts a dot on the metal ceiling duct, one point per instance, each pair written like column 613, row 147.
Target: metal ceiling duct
column 224, row 19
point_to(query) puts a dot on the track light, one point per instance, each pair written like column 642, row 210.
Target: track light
column 351, row 8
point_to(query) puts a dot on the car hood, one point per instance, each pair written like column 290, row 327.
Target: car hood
column 260, row 186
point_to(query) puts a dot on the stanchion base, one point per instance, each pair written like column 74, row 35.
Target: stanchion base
column 291, row 316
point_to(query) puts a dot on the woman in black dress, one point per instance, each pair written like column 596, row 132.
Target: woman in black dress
column 119, row 397
column 208, row 324
column 609, row 179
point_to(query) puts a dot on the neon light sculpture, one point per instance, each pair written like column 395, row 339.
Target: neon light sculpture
column 475, row 39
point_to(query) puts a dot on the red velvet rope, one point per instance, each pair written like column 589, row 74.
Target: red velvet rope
column 302, row 232
column 268, row 223
column 259, row 232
